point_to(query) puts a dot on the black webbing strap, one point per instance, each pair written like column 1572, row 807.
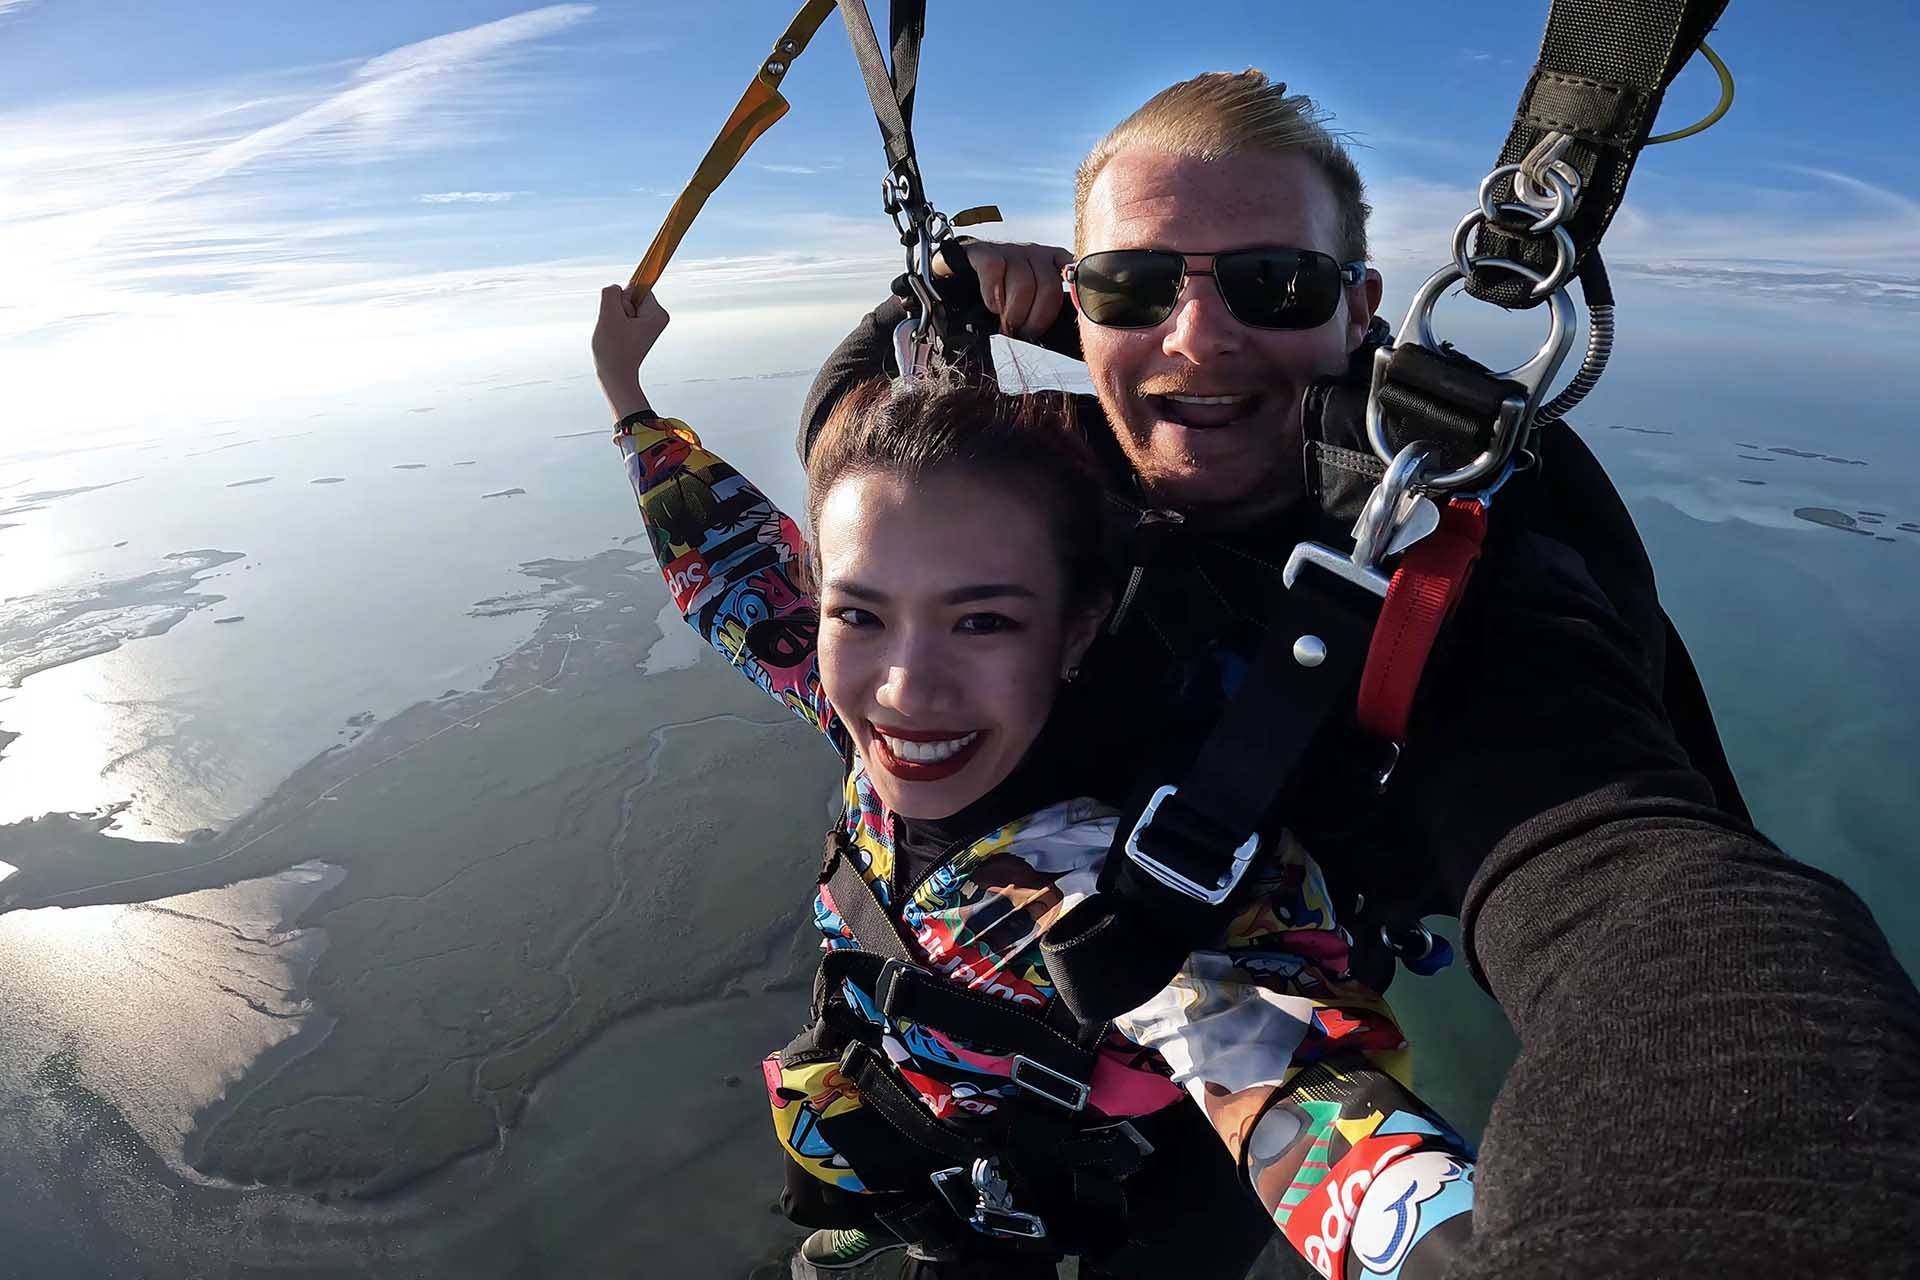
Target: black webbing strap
column 1604, row 67
column 1260, row 738
column 891, row 91
column 890, row 1098
column 1124, row 944
column 1040, row 1145
column 905, row 992
column 859, row 908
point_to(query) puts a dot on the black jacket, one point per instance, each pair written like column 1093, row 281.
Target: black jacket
column 1720, row 1057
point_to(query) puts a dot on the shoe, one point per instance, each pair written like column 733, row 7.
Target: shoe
column 845, row 1249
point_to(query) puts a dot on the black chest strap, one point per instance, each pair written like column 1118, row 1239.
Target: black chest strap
column 1171, row 877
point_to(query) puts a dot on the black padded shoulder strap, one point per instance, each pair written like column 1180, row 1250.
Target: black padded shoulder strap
column 859, row 907
column 1604, row 67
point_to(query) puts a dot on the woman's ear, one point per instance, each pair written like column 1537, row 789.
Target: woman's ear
column 1083, row 627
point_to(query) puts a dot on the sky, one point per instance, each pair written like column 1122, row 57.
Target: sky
column 213, row 207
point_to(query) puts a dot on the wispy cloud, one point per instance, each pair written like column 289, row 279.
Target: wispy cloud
column 136, row 201
column 794, row 168
column 471, row 197
column 1841, row 240
column 8, row 6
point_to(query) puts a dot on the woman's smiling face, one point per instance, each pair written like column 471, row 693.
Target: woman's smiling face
column 944, row 631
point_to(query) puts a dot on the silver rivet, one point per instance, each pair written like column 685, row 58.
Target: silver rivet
column 1309, row 651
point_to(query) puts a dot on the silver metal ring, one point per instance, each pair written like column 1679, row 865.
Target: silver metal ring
column 1562, row 197
column 1564, row 252
column 1535, row 374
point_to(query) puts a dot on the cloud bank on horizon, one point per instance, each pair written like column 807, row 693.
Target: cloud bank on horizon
column 296, row 229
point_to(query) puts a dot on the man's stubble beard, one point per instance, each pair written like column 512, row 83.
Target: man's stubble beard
column 1280, row 487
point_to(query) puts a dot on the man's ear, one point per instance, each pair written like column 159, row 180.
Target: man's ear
column 1363, row 300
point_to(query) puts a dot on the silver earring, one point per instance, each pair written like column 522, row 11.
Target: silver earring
column 1071, row 674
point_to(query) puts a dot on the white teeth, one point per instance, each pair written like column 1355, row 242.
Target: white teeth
column 1206, row 399
column 927, row 752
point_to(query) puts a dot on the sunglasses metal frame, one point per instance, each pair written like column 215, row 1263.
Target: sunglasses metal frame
column 1350, row 273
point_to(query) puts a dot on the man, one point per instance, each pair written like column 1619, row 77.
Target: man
column 1680, row 1104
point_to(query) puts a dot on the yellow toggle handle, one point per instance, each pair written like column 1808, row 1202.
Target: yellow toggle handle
column 759, row 108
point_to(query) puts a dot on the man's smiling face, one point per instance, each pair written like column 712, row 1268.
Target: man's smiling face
column 1207, row 409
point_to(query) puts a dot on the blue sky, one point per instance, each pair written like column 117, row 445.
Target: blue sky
column 225, row 204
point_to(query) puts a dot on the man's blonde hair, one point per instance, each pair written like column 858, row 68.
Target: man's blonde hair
column 1224, row 113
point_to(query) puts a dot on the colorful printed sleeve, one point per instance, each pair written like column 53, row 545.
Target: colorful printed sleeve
column 1305, row 1074
column 733, row 562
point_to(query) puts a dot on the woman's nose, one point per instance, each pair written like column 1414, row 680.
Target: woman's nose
column 916, row 682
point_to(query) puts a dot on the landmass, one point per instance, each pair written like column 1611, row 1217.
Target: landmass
column 524, row 864
column 238, row 617
column 53, row 628
column 409, row 466
column 329, row 480
column 1830, row 518
column 241, row 484
column 503, row 493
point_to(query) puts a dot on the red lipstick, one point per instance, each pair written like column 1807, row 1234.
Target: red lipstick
column 923, row 771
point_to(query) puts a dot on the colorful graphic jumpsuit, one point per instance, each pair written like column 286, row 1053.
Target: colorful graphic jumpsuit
column 1300, row 1066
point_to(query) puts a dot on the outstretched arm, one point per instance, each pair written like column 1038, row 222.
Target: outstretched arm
column 733, row 562
column 1717, row 1073
column 1300, row 1066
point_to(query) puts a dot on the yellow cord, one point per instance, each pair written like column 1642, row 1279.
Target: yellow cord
column 1713, row 117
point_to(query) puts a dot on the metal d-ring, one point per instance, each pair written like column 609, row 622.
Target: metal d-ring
column 1516, row 414
column 1564, row 252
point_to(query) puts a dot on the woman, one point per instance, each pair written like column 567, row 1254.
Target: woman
column 955, row 581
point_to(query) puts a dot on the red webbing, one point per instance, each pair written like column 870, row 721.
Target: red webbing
column 1424, row 590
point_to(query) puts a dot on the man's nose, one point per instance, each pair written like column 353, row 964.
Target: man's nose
column 1202, row 329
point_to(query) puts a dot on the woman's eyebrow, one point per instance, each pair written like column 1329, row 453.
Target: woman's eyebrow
column 988, row 591
column 959, row 595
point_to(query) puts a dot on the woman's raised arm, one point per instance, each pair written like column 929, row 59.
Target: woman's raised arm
column 734, row 563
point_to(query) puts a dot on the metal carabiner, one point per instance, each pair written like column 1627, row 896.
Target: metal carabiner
column 1386, row 509
column 1515, row 421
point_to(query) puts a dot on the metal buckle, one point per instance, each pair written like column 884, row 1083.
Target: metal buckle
column 980, row 1199
column 1337, row 563
column 1073, row 1098
column 1212, row 895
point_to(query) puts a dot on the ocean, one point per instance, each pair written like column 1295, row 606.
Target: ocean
column 369, row 826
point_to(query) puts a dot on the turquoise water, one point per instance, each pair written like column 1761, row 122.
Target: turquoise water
column 342, row 603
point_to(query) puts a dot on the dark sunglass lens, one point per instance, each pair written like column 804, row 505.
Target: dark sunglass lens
column 1279, row 288
column 1128, row 288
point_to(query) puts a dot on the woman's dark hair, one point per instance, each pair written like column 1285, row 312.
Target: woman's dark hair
column 943, row 424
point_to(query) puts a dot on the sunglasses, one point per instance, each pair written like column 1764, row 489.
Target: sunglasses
column 1272, row 288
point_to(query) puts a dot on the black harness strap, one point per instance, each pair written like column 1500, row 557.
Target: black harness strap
column 1604, row 67
column 907, row 993
column 892, row 91
column 1123, row 945
column 866, row 918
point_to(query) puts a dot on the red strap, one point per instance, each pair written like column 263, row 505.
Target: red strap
column 1431, row 578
